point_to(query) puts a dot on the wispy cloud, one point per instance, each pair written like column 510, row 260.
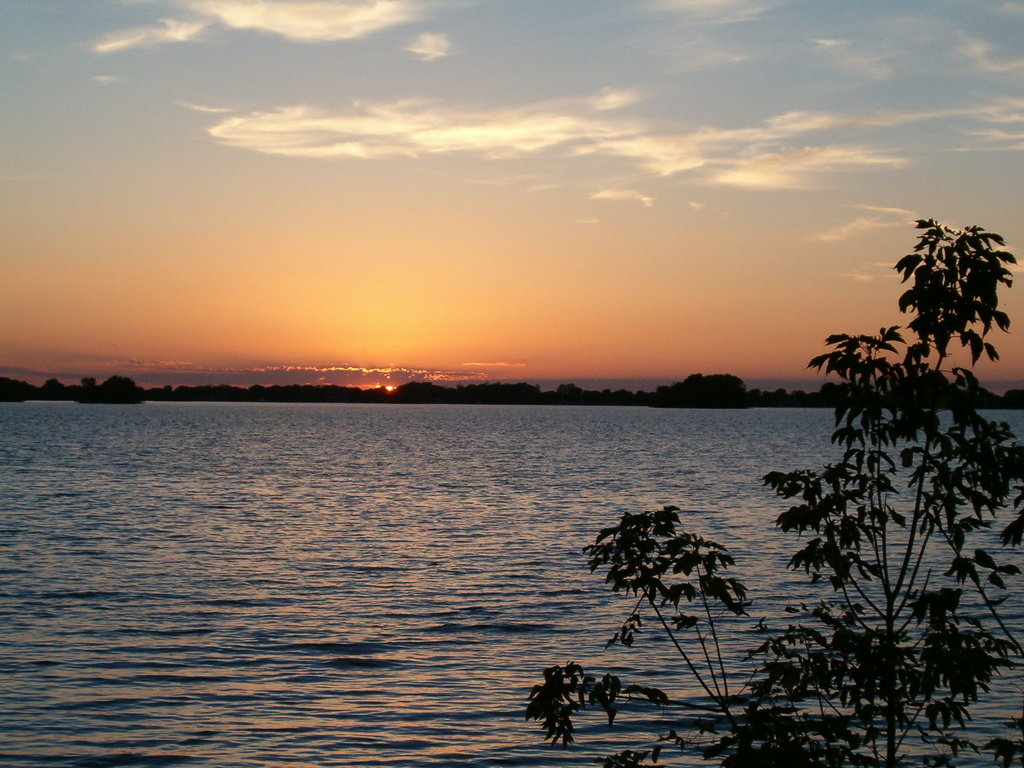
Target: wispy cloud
column 430, row 46
column 862, row 224
column 855, row 57
column 615, row 98
column 387, row 371
column 310, row 20
column 1005, row 111
column 105, row 79
column 202, row 108
column 415, row 127
column 981, row 54
column 302, row 20
column 904, row 215
column 757, row 156
column 624, row 194
column 169, row 31
column 881, row 218
column 793, row 169
column 1001, row 140
column 711, row 11
column 338, row 373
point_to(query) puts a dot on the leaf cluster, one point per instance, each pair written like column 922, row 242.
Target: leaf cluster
column 907, row 635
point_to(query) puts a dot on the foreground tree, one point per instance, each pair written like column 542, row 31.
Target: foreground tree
column 897, row 533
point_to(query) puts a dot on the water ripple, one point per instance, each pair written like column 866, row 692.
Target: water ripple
column 299, row 586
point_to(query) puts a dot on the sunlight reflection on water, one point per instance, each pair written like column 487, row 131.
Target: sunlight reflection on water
column 254, row 585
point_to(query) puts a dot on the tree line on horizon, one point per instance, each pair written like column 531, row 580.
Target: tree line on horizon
column 721, row 390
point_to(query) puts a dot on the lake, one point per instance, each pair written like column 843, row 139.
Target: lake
column 343, row 585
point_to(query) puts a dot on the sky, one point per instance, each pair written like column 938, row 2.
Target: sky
column 333, row 191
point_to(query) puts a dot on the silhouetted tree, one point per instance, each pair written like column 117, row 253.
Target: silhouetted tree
column 53, row 390
column 719, row 390
column 14, row 391
column 884, row 669
column 116, row 389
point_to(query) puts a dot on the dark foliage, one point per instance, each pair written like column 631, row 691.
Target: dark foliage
column 731, row 393
column 116, row 389
column 884, row 668
column 719, row 390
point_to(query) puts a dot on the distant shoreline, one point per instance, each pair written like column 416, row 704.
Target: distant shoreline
column 696, row 391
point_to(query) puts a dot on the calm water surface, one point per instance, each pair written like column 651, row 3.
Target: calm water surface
column 325, row 585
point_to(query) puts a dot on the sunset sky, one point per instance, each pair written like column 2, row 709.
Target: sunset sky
column 514, row 190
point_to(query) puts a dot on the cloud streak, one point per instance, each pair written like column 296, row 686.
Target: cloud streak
column 624, row 194
column 314, row 20
column 169, row 31
column 792, row 150
column 711, row 11
column 308, row 21
column 981, row 54
column 430, row 46
column 881, row 218
column 188, row 372
column 415, row 127
column 749, row 157
column 794, row 169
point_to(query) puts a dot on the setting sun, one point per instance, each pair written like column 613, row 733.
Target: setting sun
column 634, row 205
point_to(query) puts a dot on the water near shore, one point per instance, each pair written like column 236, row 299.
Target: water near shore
column 258, row 585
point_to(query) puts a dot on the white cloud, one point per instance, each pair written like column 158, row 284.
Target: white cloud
column 311, row 19
column 169, row 31
column 711, row 11
column 105, row 79
column 412, row 128
column 495, row 365
column 855, row 57
column 1006, row 111
column 624, row 194
column 884, row 217
column 430, row 46
column 1001, row 140
column 792, row 169
column 663, row 155
column 904, row 215
column 981, row 54
column 852, row 228
column 758, row 156
column 611, row 99
column 202, row 107
column 302, row 20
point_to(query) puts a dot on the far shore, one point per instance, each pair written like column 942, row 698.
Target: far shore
column 696, row 391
